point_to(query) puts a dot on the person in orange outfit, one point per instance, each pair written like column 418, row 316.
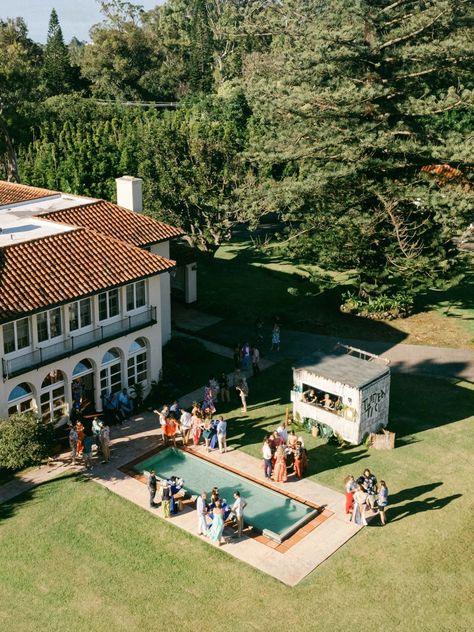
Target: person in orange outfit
column 80, row 437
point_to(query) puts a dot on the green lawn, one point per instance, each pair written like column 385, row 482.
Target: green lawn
column 74, row 556
column 241, row 283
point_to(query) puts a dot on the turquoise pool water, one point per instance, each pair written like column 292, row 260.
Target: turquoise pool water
column 274, row 514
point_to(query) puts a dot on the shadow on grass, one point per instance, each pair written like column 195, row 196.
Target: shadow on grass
column 10, row 507
column 459, row 297
column 419, row 403
column 281, row 289
column 419, row 506
column 413, row 492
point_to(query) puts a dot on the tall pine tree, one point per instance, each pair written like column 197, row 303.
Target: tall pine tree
column 201, row 49
column 57, row 73
column 348, row 110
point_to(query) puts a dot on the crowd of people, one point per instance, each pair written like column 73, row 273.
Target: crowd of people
column 85, row 433
column 212, row 515
column 363, row 494
column 201, row 424
column 284, row 453
column 118, row 407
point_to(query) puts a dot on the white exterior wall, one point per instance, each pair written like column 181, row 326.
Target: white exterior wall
column 375, row 405
column 152, row 334
column 163, row 249
column 190, row 283
column 370, row 405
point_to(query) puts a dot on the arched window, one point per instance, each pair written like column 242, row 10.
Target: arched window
column 52, row 397
column 82, row 386
column 21, row 399
column 137, row 362
column 111, row 373
column 82, row 368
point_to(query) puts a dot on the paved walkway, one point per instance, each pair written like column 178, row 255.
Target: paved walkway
column 404, row 358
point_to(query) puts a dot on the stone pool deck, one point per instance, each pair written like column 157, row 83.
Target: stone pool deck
column 289, row 562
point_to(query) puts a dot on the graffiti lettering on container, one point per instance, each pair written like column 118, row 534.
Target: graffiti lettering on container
column 373, row 403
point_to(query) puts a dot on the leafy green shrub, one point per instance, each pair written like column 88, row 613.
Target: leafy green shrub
column 24, row 441
column 381, row 307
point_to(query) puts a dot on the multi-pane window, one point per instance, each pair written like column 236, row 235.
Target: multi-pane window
column 21, row 399
column 53, row 398
column 109, row 304
column 136, row 295
column 137, row 363
column 16, row 335
column 48, row 324
column 80, row 314
column 111, row 373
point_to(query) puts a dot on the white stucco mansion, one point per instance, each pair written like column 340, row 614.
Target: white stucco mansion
column 84, row 297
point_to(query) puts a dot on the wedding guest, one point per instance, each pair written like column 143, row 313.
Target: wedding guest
column 255, row 361
column 350, row 487
column 283, row 432
column 382, row 502
column 292, row 440
column 104, row 438
column 73, row 438
column 166, row 498
column 275, row 338
column 152, row 483
column 238, row 510
column 243, row 391
column 217, row 528
column 279, row 470
column 125, row 404
column 202, row 512
column 80, row 437
column 370, row 486
column 222, row 435
column 359, row 506
column 246, row 356
column 224, row 388
column 267, row 458
column 186, row 421
column 197, row 425
column 301, row 460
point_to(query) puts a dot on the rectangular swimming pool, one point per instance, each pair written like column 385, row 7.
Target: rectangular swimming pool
column 270, row 512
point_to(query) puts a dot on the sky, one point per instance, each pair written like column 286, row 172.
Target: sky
column 75, row 16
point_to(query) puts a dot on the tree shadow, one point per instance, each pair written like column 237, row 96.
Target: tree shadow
column 458, row 297
column 419, row 403
column 10, row 507
column 270, row 285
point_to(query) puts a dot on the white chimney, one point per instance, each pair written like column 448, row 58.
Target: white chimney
column 129, row 193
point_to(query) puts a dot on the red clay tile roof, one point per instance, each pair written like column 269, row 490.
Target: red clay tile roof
column 12, row 193
column 64, row 267
column 117, row 222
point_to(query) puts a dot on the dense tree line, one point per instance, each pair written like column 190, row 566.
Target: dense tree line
column 329, row 113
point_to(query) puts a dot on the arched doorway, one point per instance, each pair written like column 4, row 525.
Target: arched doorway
column 137, row 363
column 53, row 396
column 82, row 387
column 21, row 399
column 111, row 373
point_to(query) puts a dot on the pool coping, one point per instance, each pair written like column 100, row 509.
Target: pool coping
column 282, row 545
